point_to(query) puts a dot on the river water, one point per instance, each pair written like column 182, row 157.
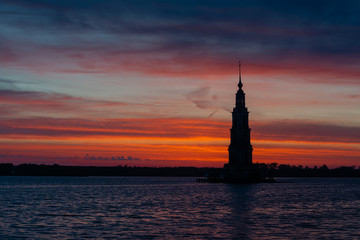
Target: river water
column 177, row 208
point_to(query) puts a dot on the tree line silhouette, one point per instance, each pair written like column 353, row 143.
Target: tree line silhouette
column 272, row 170
column 9, row 169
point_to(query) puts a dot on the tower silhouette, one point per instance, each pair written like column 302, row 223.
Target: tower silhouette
column 240, row 148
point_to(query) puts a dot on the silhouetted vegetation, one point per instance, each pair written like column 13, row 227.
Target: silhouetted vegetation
column 285, row 170
column 57, row 170
column 273, row 169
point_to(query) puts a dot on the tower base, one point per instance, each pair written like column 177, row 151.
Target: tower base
column 239, row 175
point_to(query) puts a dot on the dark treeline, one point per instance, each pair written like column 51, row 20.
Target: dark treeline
column 284, row 170
column 57, row 170
column 273, row 170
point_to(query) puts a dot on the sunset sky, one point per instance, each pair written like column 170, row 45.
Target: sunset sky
column 153, row 83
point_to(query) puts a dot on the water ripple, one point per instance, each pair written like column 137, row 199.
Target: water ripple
column 177, row 208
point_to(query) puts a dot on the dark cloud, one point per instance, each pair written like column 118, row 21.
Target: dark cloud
column 165, row 128
column 305, row 131
column 202, row 99
column 321, row 33
column 7, row 84
column 46, row 100
column 199, row 97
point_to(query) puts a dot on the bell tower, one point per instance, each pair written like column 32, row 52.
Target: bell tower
column 240, row 148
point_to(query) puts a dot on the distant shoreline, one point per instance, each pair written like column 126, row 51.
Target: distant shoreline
column 274, row 170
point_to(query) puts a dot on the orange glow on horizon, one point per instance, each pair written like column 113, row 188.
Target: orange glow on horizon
column 193, row 150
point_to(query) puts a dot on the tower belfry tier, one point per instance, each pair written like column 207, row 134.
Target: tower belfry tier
column 240, row 148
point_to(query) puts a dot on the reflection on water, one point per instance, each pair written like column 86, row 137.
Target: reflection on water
column 176, row 208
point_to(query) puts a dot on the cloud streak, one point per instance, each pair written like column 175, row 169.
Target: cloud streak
column 306, row 131
column 176, row 128
column 164, row 128
column 34, row 102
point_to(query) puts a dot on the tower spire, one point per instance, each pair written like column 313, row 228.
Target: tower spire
column 240, row 148
column 240, row 83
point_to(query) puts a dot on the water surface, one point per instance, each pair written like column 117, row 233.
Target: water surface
column 177, row 208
